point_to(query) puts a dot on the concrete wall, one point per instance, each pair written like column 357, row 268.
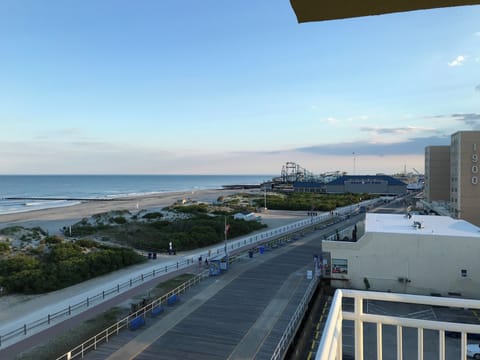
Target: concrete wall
column 465, row 173
column 437, row 173
column 382, row 188
column 431, row 263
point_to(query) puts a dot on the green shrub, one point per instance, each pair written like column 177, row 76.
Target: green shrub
column 119, row 220
column 87, row 243
column 4, row 247
column 192, row 209
column 311, row 201
column 65, row 265
column 52, row 240
column 152, row 215
column 11, row 230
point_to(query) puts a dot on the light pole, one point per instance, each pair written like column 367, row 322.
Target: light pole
column 354, row 165
column 265, row 199
column 226, row 230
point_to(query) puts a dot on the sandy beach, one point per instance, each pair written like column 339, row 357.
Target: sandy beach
column 55, row 218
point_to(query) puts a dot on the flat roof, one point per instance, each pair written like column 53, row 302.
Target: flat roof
column 431, row 225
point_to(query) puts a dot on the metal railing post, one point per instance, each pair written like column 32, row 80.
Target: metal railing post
column 379, row 341
column 358, row 328
column 441, row 345
column 420, row 344
column 399, row 343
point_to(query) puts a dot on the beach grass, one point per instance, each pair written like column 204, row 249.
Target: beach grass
column 60, row 345
column 173, row 283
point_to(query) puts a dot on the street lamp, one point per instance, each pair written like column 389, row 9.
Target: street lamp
column 265, row 198
column 354, row 165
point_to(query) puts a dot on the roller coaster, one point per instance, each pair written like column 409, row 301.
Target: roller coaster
column 293, row 172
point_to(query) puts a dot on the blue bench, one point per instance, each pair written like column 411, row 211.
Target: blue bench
column 157, row 310
column 172, row 299
column 136, row 323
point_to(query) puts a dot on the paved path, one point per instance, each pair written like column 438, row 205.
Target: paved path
column 241, row 314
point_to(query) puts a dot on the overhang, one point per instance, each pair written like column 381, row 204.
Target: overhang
column 320, row 10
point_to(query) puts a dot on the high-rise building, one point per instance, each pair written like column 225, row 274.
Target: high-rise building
column 465, row 176
column 437, row 173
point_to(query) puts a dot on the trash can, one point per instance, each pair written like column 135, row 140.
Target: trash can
column 250, row 254
column 261, row 249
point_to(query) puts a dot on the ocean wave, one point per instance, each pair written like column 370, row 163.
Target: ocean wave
column 25, row 191
column 16, row 207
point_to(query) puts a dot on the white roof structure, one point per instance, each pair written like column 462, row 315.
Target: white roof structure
column 430, row 225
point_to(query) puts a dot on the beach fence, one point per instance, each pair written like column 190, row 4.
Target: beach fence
column 50, row 319
column 21, row 332
column 135, row 320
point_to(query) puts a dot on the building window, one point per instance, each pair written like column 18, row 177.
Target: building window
column 464, row 272
column 339, row 266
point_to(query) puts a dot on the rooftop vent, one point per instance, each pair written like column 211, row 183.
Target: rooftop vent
column 417, row 225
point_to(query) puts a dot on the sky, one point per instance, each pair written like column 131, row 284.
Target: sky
column 229, row 87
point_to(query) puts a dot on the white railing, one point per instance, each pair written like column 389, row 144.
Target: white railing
column 295, row 320
column 331, row 346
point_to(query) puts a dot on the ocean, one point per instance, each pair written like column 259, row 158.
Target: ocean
column 102, row 187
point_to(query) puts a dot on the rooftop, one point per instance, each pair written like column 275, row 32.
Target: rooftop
column 437, row 225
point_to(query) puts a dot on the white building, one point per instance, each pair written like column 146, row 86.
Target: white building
column 245, row 216
column 440, row 256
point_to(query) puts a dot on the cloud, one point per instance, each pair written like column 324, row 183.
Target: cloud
column 459, row 60
column 332, row 121
column 469, row 119
column 472, row 119
column 412, row 146
column 394, row 131
column 65, row 133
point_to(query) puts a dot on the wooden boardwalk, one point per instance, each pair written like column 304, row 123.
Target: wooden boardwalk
column 241, row 314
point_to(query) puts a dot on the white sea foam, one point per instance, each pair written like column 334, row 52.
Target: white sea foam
column 11, row 207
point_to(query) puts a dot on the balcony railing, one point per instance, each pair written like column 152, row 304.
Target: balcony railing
column 406, row 337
